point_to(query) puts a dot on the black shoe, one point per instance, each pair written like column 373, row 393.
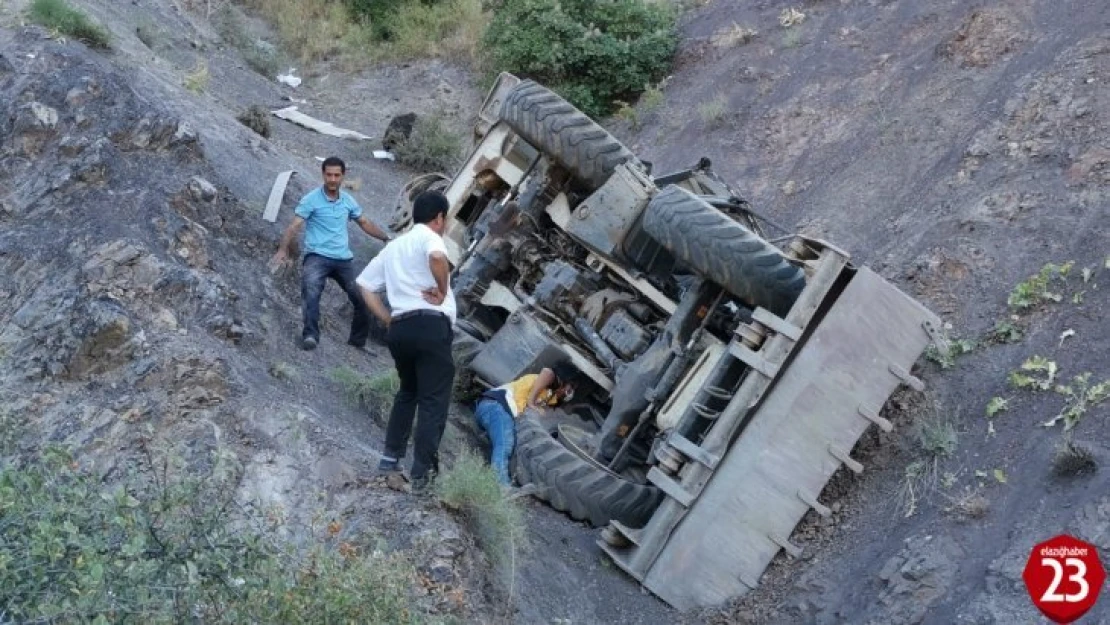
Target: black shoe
column 421, row 485
column 308, row 343
column 359, row 346
column 389, row 465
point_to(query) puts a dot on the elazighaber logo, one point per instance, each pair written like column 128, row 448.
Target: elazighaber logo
column 1064, row 577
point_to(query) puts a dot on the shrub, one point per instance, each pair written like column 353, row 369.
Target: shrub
column 592, row 53
column 58, row 15
column 471, row 487
column 432, row 146
column 171, row 550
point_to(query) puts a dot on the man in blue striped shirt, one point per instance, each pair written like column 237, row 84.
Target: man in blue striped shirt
column 324, row 213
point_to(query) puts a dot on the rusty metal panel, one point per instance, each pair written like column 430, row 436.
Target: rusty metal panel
column 757, row 495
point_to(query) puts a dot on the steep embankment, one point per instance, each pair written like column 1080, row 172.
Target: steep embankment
column 957, row 149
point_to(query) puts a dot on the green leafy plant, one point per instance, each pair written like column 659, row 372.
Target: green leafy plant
column 1005, row 332
column 1038, row 288
column 60, row 16
column 165, row 546
column 997, row 405
column 591, row 53
column 947, row 358
column 1080, row 397
column 1037, row 373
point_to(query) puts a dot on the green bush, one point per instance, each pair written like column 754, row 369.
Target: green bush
column 58, row 15
column 169, row 550
column 432, row 146
column 593, row 53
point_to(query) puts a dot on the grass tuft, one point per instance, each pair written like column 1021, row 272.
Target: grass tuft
column 374, row 391
column 60, row 16
column 470, row 486
column 1072, row 459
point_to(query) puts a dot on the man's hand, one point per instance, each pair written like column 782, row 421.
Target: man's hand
column 280, row 261
column 433, row 296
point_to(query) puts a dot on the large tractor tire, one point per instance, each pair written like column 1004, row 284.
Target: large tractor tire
column 563, row 133
column 572, row 485
column 723, row 251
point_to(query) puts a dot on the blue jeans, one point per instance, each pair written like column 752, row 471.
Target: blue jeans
column 499, row 424
column 315, row 271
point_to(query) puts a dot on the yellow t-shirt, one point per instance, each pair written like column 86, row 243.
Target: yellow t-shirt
column 519, row 390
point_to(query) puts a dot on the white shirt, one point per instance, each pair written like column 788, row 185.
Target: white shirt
column 402, row 269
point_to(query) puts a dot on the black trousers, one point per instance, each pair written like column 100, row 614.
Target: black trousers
column 421, row 350
column 315, row 272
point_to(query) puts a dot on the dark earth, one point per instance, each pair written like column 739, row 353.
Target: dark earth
column 954, row 147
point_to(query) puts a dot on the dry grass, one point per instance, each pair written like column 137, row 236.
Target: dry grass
column 970, row 504
column 315, row 31
column 471, row 488
column 1072, row 459
column 197, row 80
column 312, row 30
column 713, row 111
column 735, row 35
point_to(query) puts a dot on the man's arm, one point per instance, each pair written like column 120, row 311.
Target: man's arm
column 372, row 229
column 441, row 271
column 376, row 305
column 543, row 381
column 281, row 257
column 372, row 281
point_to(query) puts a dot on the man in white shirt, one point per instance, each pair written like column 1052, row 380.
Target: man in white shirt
column 414, row 272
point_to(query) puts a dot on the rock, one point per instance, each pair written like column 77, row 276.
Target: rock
column 46, row 116
column 919, row 576
column 184, row 135
column 335, row 472
column 105, row 339
column 398, row 130
column 201, row 190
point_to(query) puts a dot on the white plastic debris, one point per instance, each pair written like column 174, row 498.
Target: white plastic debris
column 290, row 113
column 289, row 78
column 382, row 154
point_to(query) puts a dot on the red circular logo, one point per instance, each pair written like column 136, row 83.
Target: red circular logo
column 1064, row 577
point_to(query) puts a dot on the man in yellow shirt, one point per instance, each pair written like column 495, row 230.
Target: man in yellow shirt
column 498, row 408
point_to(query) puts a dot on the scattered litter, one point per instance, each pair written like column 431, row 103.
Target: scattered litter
column 293, row 115
column 277, row 192
column 289, row 79
column 1065, row 334
column 290, row 98
column 319, row 159
column 30, row 55
column 382, row 154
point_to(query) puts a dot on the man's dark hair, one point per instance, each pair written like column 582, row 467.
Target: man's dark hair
column 565, row 373
column 333, row 161
column 429, row 205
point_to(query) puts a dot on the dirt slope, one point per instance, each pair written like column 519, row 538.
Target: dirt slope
column 956, row 148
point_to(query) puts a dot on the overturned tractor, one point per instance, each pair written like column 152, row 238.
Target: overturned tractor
column 727, row 377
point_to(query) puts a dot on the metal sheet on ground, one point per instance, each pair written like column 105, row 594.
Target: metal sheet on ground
column 723, row 545
column 277, row 192
column 293, row 115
